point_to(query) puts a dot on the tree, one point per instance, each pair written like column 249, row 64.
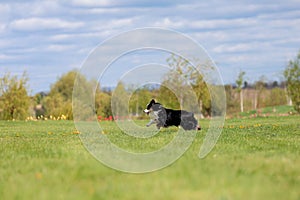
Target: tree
column 176, row 79
column 167, row 97
column 239, row 84
column 103, row 104
column 201, row 90
column 37, row 103
column 119, row 103
column 181, row 78
column 276, row 97
column 138, row 100
column 59, row 100
column 292, row 75
column 14, row 99
column 231, row 101
column 260, row 86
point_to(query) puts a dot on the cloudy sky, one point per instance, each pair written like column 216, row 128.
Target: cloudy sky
column 49, row 38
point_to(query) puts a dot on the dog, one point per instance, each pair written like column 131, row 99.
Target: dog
column 164, row 117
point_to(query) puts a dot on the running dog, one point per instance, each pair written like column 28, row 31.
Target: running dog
column 164, row 117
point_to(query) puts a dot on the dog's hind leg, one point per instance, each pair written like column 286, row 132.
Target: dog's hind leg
column 158, row 126
column 189, row 123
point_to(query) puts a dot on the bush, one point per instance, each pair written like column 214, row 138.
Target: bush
column 14, row 99
column 292, row 75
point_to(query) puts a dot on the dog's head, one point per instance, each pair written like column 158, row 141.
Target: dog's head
column 152, row 106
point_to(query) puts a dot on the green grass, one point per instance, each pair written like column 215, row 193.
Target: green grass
column 272, row 111
column 254, row 159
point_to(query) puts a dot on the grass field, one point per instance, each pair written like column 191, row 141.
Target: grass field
column 270, row 111
column 255, row 158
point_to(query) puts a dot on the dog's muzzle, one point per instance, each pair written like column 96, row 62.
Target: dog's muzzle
column 147, row 111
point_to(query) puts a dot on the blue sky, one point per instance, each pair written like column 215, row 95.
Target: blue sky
column 49, row 38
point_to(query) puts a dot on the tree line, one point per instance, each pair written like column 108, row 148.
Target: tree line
column 16, row 103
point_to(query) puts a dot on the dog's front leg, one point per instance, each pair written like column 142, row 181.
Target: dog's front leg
column 151, row 122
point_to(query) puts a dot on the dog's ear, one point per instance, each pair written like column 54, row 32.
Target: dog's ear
column 152, row 101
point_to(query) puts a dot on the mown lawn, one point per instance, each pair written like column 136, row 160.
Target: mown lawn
column 255, row 158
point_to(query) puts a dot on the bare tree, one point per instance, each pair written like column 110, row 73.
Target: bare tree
column 239, row 83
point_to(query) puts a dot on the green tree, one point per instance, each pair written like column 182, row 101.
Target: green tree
column 56, row 106
column 167, row 97
column 59, row 100
column 292, row 75
column 139, row 100
column 119, row 103
column 14, row 99
column 201, row 90
column 103, row 104
column 276, row 97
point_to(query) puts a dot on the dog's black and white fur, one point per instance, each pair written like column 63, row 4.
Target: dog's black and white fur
column 164, row 117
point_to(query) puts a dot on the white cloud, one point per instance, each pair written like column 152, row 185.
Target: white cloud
column 4, row 43
column 27, row 9
column 234, row 48
column 44, row 8
column 206, row 24
column 98, row 11
column 2, row 28
column 4, row 9
column 4, row 15
column 59, row 47
column 111, row 26
column 34, row 24
column 5, row 57
column 222, row 23
column 121, row 22
column 62, row 37
column 116, row 3
column 92, row 3
column 168, row 23
column 89, row 34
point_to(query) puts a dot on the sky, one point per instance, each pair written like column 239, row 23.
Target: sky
column 51, row 37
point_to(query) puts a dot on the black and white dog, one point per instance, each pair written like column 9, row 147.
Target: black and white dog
column 164, row 117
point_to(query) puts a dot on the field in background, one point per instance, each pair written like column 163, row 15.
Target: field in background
column 283, row 110
column 257, row 158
